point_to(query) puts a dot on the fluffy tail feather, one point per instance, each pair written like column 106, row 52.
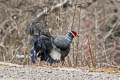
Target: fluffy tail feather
column 42, row 47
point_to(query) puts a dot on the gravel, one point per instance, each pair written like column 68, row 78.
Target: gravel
column 41, row 73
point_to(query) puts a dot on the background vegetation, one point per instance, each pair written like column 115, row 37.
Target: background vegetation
column 96, row 21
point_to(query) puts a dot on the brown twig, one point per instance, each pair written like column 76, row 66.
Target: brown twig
column 91, row 55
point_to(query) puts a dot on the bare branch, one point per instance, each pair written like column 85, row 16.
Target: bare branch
column 46, row 10
column 110, row 32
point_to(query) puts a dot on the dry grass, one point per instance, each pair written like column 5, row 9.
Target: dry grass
column 96, row 21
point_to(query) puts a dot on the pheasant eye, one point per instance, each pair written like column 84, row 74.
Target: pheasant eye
column 75, row 33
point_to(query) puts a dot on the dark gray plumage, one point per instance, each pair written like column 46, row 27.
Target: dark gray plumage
column 40, row 40
column 62, row 41
column 37, row 29
column 61, row 46
column 41, row 48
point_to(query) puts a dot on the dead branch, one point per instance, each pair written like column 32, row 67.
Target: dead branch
column 110, row 32
column 46, row 10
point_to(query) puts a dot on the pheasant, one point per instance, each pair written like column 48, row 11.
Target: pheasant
column 48, row 47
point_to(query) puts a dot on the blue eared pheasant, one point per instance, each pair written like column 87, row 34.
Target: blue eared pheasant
column 50, row 48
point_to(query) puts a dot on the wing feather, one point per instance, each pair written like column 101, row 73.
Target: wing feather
column 61, row 42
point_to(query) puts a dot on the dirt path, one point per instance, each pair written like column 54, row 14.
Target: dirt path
column 37, row 73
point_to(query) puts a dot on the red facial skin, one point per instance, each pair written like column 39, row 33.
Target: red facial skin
column 74, row 33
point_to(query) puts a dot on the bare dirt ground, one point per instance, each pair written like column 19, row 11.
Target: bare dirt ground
column 17, row 72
